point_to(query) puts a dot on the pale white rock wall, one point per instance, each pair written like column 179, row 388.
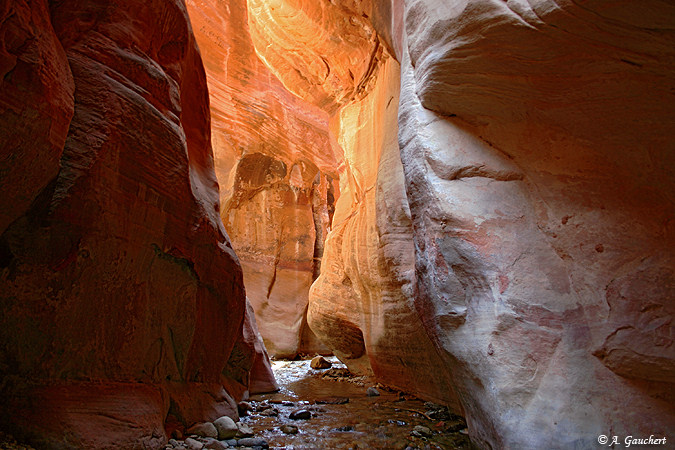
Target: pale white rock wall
column 538, row 158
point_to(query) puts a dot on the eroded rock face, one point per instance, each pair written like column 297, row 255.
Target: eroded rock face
column 278, row 172
column 537, row 164
column 36, row 105
column 539, row 195
column 362, row 304
column 320, row 52
column 120, row 296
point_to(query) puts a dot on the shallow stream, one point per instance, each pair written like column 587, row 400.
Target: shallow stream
column 344, row 416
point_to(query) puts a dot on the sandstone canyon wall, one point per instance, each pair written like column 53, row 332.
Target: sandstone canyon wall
column 362, row 304
column 539, row 170
column 278, row 172
column 121, row 300
column 535, row 237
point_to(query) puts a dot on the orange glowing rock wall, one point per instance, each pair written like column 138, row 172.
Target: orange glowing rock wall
column 362, row 304
column 121, row 299
column 278, row 172
column 537, row 165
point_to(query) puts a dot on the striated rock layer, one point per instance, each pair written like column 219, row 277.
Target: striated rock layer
column 538, row 160
column 278, row 173
column 362, row 304
column 121, row 299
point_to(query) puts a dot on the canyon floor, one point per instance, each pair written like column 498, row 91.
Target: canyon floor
column 331, row 408
column 345, row 416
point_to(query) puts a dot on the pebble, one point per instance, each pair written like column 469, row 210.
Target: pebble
column 226, row 428
column 269, row 412
column 244, row 408
column 253, row 442
column 213, row 444
column 332, row 401
column 319, row 362
column 289, row 429
column 421, row 431
column 372, row 392
column 204, row 429
column 193, row 444
column 300, row 414
column 337, row 372
column 243, row 430
column 231, row 442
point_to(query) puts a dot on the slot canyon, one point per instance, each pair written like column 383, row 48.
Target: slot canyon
column 469, row 202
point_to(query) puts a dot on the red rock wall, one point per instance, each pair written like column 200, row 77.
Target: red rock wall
column 278, row 173
column 121, row 299
column 537, row 161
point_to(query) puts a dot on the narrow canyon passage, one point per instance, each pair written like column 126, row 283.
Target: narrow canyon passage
column 465, row 205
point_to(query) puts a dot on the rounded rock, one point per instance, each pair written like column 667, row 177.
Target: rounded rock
column 193, row 444
column 300, row 414
column 289, row 429
column 204, row 429
column 213, row 444
column 226, row 428
column 372, row 392
column 422, row 431
column 253, row 442
column 319, row 362
column 243, row 430
column 244, row 408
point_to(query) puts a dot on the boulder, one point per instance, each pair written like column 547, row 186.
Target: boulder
column 226, row 428
column 204, row 429
column 319, row 362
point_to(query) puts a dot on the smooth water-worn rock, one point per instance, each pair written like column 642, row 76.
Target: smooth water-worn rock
column 277, row 170
column 214, row 444
column 300, row 414
column 193, row 444
column 206, row 429
column 225, row 428
column 319, row 362
column 243, row 430
column 253, row 442
column 120, row 296
column 537, row 166
column 289, row 429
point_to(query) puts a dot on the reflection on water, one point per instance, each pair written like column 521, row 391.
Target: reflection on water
column 344, row 416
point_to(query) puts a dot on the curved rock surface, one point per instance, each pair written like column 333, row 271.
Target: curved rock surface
column 36, row 105
column 318, row 50
column 538, row 167
column 120, row 297
column 278, row 173
column 362, row 304
column 539, row 173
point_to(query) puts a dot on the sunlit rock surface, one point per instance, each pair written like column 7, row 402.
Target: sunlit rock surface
column 320, row 51
column 538, row 164
column 278, row 174
column 538, row 157
column 120, row 297
column 362, row 304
